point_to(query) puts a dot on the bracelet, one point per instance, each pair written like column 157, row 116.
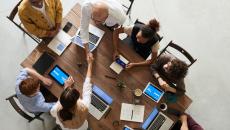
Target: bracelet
column 158, row 77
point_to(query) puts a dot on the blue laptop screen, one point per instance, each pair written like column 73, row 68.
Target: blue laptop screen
column 151, row 117
column 104, row 96
column 59, row 75
column 153, row 92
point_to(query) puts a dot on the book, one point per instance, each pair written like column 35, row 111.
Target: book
column 132, row 112
column 119, row 64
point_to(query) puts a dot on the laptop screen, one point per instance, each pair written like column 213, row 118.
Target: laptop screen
column 58, row 75
column 151, row 117
column 153, row 92
column 104, row 96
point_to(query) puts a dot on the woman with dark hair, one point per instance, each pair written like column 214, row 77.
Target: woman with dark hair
column 71, row 111
column 145, row 41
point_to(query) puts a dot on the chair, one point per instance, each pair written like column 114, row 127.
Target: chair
column 11, row 17
column 12, row 101
column 180, row 49
column 128, row 8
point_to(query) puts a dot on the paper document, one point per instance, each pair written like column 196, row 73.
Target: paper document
column 60, row 42
column 119, row 64
column 131, row 112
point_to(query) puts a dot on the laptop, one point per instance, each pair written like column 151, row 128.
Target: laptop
column 60, row 42
column 157, row 121
column 43, row 63
column 95, row 36
column 100, row 102
column 153, row 92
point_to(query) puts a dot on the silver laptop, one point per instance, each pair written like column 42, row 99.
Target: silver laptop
column 95, row 36
column 157, row 121
column 100, row 103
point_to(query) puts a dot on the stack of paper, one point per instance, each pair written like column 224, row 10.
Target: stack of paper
column 60, row 42
column 119, row 64
column 131, row 112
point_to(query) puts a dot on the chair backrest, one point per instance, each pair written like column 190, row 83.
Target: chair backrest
column 20, row 111
column 128, row 8
column 139, row 22
column 180, row 49
column 11, row 18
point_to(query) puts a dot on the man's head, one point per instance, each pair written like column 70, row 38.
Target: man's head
column 100, row 12
column 176, row 69
column 29, row 86
column 148, row 31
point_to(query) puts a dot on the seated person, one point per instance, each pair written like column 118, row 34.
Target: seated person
column 71, row 111
column 144, row 39
column 108, row 12
column 186, row 122
column 174, row 70
column 28, row 91
column 41, row 18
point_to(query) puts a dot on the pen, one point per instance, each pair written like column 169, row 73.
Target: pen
column 132, row 115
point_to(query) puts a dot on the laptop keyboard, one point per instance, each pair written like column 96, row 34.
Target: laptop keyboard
column 96, row 102
column 93, row 38
column 157, row 123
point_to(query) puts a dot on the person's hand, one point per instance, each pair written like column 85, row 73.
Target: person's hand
column 69, row 82
column 52, row 33
column 90, row 58
column 115, row 55
column 130, row 65
column 47, row 81
column 183, row 117
column 163, row 84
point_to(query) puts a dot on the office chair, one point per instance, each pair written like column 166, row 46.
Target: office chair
column 180, row 49
column 11, row 18
column 12, row 101
column 128, row 8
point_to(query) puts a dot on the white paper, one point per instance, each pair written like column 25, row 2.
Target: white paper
column 131, row 112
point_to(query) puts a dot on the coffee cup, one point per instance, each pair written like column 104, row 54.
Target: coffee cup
column 163, row 106
column 137, row 95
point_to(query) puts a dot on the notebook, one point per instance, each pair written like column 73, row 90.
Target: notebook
column 43, row 63
column 132, row 112
column 119, row 64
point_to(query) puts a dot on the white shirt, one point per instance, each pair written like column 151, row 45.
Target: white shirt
column 84, row 102
column 43, row 11
column 116, row 16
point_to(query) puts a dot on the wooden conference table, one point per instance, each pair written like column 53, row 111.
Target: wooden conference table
column 134, row 78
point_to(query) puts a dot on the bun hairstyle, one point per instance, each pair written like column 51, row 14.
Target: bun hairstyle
column 150, row 29
column 68, row 100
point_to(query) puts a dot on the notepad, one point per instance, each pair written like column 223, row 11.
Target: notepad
column 131, row 112
column 119, row 64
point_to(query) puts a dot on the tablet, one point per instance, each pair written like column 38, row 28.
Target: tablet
column 127, row 128
column 153, row 92
column 58, row 75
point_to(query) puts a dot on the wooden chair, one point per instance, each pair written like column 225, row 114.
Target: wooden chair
column 180, row 50
column 11, row 17
column 12, row 101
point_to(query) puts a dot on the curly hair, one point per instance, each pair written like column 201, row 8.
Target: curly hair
column 178, row 69
column 150, row 29
column 29, row 86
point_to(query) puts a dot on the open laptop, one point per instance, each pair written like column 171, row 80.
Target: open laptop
column 100, row 102
column 157, row 121
column 95, row 36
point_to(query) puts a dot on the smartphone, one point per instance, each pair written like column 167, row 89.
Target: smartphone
column 67, row 27
column 120, row 62
column 174, row 112
column 127, row 128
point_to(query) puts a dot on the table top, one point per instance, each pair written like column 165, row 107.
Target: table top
column 137, row 77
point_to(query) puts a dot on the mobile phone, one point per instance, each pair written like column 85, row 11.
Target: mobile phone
column 120, row 62
column 67, row 27
column 174, row 112
column 127, row 128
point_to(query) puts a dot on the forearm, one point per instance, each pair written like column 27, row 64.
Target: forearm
column 35, row 74
column 89, row 71
column 147, row 62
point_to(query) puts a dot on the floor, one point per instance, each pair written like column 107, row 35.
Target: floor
column 199, row 26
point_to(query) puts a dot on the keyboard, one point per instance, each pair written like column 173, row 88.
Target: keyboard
column 92, row 38
column 157, row 123
column 99, row 104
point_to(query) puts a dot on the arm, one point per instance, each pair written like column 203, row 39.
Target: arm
column 35, row 74
column 87, row 86
column 116, row 33
column 32, row 28
column 59, row 10
column 184, row 122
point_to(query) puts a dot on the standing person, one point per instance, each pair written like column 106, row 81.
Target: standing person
column 41, row 18
column 145, row 41
column 108, row 12
column 28, row 91
column 71, row 111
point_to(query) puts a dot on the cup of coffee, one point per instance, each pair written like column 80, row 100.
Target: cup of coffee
column 137, row 95
column 163, row 106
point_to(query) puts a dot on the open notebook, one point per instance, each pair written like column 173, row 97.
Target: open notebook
column 132, row 112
